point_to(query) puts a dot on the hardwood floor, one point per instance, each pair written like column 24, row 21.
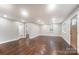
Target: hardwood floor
column 41, row 45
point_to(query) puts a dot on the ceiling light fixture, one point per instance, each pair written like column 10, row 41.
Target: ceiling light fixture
column 4, row 15
column 51, row 7
column 24, row 13
column 22, row 20
column 40, row 22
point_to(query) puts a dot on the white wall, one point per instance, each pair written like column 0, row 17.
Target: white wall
column 9, row 30
column 35, row 30
column 66, row 31
column 45, row 30
column 20, row 29
column 78, row 31
column 32, row 29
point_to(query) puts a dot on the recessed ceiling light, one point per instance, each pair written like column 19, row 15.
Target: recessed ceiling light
column 4, row 15
column 17, row 22
column 24, row 13
column 22, row 20
column 40, row 22
column 51, row 7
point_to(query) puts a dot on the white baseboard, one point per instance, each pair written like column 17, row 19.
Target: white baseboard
column 49, row 35
column 11, row 40
column 31, row 37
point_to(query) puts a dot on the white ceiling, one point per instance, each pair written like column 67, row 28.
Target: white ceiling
column 37, row 12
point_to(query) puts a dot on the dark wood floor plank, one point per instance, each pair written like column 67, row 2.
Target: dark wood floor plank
column 41, row 45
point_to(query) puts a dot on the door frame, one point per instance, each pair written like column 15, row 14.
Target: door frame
column 75, row 16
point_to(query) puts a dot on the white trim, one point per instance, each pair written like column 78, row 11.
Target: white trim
column 49, row 35
column 11, row 40
column 31, row 37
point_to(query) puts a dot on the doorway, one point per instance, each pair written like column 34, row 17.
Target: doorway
column 73, row 34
